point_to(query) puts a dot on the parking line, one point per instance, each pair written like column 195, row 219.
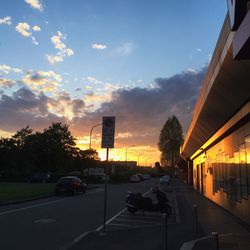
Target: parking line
column 81, row 236
column 139, row 221
column 120, row 225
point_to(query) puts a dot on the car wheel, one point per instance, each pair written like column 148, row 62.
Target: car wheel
column 84, row 191
column 57, row 193
column 73, row 192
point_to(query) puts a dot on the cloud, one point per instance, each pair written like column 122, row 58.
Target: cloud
column 23, row 108
column 6, row 20
column 54, row 59
column 63, row 51
column 36, row 28
column 6, row 83
column 140, row 112
column 125, row 49
column 25, row 30
column 199, row 50
column 143, row 111
column 46, row 81
column 98, row 46
column 6, row 69
column 35, row 4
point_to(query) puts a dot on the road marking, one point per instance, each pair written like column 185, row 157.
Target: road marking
column 81, row 236
column 42, row 204
column 120, row 225
column 190, row 244
column 141, row 216
column 136, row 220
column 45, row 221
column 75, row 241
column 29, row 207
column 107, row 222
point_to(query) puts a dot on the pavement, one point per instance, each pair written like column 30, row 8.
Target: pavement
column 54, row 223
column 147, row 231
column 75, row 223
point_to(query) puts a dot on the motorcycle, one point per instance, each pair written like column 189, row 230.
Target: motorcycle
column 135, row 202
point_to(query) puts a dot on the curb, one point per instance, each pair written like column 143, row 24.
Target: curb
column 35, row 198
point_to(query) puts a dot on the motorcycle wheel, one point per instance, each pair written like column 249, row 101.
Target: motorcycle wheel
column 132, row 210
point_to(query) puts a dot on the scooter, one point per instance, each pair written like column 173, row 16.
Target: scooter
column 135, row 202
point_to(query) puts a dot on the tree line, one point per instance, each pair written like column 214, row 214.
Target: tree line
column 52, row 150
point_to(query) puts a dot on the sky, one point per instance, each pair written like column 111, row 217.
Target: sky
column 76, row 61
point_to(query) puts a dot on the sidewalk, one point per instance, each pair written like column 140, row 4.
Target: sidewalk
column 233, row 233
column 181, row 234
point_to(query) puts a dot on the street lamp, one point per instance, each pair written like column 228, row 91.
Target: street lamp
column 139, row 158
column 90, row 134
column 127, row 151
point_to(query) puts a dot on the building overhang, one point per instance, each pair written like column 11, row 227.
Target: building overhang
column 241, row 42
column 225, row 90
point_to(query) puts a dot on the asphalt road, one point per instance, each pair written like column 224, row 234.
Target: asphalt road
column 56, row 222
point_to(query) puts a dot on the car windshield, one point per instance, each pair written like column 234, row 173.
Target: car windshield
column 66, row 180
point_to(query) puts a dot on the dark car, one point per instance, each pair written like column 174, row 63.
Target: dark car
column 70, row 185
column 42, row 177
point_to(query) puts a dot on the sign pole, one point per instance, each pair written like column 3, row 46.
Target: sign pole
column 105, row 191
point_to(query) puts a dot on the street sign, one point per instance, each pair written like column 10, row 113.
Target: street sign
column 108, row 131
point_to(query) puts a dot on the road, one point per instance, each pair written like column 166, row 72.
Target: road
column 56, row 222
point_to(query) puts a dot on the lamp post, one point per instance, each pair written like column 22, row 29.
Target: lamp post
column 90, row 134
column 126, row 154
column 139, row 158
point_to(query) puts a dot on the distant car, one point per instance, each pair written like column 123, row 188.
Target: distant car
column 165, row 179
column 140, row 176
column 42, row 177
column 70, row 185
column 134, row 178
column 146, row 176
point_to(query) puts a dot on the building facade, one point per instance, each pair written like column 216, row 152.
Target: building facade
column 217, row 145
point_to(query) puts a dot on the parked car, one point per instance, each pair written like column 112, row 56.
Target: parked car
column 41, row 177
column 165, row 180
column 70, row 185
column 140, row 176
column 146, row 176
column 134, row 178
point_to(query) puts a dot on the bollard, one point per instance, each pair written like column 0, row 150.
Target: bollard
column 165, row 224
column 195, row 211
column 215, row 236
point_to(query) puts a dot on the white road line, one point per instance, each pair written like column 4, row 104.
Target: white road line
column 137, row 221
column 120, row 225
column 81, row 236
column 39, row 205
column 141, row 217
column 29, row 207
column 107, row 222
column 75, row 241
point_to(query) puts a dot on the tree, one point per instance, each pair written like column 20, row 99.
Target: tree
column 170, row 140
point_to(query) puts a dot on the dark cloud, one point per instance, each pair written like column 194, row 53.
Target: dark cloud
column 143, row 111
column 140, row 112
column 25, row 108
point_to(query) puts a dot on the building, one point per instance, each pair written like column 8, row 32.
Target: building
column 217, row 145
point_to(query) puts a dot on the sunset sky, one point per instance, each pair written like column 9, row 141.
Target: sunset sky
column 79, row 60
